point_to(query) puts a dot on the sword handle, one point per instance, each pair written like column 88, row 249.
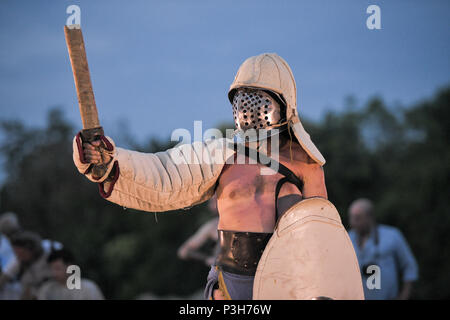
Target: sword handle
column 91, row 135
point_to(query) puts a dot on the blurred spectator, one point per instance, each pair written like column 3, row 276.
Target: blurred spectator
column 9, row 289
column 9, row 226
column 57, row 289
column 384, row 246
column 192, row 247
column 32, row 269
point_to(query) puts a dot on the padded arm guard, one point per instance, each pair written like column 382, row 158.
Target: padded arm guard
column 174, row 179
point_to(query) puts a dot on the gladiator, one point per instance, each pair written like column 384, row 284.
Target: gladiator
column 279, row 236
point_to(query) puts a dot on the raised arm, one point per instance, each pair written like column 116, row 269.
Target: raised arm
column 173, row 179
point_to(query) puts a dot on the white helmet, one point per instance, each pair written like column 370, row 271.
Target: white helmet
column 268, row 71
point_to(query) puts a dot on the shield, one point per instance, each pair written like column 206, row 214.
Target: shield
column 309, row 256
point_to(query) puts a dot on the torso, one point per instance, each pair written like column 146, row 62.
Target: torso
column 246, row 199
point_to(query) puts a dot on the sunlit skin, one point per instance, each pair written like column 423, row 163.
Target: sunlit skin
column 246, row 198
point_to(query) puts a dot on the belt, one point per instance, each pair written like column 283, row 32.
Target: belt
column 240, row 251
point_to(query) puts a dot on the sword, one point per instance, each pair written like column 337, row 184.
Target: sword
column 92, row 130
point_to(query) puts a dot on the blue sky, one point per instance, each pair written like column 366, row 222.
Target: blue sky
column 160, row 65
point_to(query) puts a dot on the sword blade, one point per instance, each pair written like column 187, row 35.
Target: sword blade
column 81, row 75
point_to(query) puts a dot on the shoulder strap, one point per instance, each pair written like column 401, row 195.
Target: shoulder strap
column 289, row 176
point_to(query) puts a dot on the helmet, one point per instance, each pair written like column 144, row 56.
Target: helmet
column 257, row 109
column 271, row 73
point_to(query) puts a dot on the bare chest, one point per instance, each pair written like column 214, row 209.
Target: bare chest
column 239, row 181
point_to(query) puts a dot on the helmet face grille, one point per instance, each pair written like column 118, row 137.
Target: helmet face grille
column 255, row 109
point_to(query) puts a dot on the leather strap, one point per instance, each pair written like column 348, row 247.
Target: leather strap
column 289, row 176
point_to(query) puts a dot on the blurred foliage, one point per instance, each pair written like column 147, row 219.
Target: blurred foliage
column 399, row 157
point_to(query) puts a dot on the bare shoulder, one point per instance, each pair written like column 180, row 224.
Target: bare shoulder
column 307, row 169
column 294, row 154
